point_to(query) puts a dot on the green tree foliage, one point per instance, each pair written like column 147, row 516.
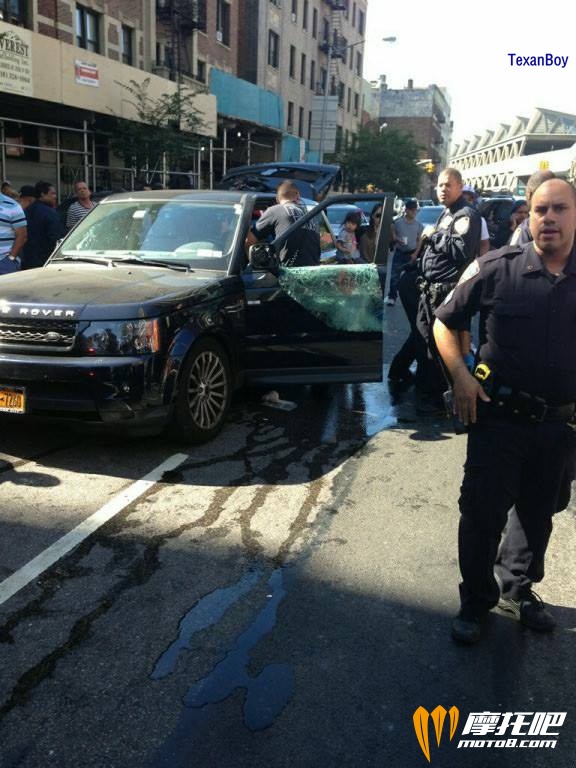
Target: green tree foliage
column 169, row 124
column 386, row 159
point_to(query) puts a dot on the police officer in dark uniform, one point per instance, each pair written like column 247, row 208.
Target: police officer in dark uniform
column 445, row 253
column 520, row 404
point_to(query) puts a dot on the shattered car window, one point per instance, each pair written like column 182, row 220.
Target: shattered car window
column 348, row 298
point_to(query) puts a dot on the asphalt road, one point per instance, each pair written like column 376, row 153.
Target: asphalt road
column 282, row 597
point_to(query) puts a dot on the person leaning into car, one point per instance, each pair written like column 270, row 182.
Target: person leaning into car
column 302, row 247
column 520, row 405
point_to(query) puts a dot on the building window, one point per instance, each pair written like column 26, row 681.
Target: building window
column 277, row 3
column 302, row 69
column 223, row 22
column 290, row 123
column 13, row 12
column 294, row 10
column 312, row 75
column 314, row 23
column 349, row 100
column 356, row 104
column 305, row 15
column 292, row 68
column 359, row 63
column 332, row 86
column 201, row 71
column 87, row 29
column 341, row 93
column 325, row 31
column 301, row 121
column 127, row 47
column 273, row 49
column 309, row 125
column 201, row 15
column 323, row 80
column 353, row 14
column 361, row 21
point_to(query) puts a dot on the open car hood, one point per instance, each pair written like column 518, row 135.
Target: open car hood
column 312, row 179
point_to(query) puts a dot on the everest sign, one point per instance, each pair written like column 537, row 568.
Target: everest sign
column 86, row 74
column 15, row 60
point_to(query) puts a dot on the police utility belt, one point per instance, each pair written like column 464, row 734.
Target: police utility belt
column 435, row 292
column 518, row 405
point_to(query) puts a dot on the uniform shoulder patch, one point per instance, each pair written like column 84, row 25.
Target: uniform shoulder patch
column 471, row 271
column 462, row 225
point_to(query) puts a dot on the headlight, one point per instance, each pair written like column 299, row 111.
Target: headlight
column 121, row 337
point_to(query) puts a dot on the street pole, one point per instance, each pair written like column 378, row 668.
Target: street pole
column 326, row 86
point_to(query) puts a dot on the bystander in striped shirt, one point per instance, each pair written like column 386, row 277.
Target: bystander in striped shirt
column 76, row 213
column 11, row 218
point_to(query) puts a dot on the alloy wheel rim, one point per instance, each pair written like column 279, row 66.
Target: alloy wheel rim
column 207, row 390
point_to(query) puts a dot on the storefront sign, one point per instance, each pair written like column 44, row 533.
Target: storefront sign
column 86, row 73
column 15, row 59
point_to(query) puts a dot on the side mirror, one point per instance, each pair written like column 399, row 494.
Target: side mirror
column 262, row 257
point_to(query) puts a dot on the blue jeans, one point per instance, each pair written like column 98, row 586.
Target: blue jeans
column 399, row 261
column 7, row 265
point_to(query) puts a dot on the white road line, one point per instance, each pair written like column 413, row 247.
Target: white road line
column 48, row 557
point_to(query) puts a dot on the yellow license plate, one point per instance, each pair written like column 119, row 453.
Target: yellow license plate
column 12, row 400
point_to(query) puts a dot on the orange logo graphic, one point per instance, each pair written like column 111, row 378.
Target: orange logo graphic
column 438, row 716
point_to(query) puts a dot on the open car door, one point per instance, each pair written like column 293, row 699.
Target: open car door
column 319, row 324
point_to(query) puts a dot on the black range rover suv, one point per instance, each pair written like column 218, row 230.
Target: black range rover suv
column 150, row 314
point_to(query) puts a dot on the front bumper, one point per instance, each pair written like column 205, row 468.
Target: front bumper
column 100, row 390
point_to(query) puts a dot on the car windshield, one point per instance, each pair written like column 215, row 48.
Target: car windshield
column 193, row 233
column 429, row 214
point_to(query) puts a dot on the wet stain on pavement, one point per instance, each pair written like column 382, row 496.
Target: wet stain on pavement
column 266, row 694
column 207, row 612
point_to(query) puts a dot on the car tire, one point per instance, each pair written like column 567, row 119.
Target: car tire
column 204, row 393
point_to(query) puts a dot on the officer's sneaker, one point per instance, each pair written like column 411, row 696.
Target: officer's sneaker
column 467, row 627
column 389, row 302
column 530, row 611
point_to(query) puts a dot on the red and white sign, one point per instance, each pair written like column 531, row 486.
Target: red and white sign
column 86, row 73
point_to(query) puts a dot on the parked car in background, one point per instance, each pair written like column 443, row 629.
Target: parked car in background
column 150, row 313
column 425, row 203
column 429, row 214
column 337, row 213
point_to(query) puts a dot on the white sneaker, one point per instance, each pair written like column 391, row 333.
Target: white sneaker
column 389, row 302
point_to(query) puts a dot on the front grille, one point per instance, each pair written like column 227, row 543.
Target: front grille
column 38, row 333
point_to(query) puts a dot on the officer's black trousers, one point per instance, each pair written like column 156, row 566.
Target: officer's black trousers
column 430, row 380
column 514, row 557
column 409, row 296
column 509, row 464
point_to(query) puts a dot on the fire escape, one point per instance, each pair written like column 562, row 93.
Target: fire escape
column 180, row 18
column 335, row 45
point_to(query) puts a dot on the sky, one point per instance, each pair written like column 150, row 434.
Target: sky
column 464, row 47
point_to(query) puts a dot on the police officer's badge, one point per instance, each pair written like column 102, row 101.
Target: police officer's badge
column 462, row 225
column 471, row 271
